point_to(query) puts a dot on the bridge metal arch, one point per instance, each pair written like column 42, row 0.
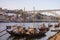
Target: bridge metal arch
column 51, row 12
column 48, row 11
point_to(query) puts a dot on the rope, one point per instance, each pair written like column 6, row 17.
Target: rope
column 2, row 35
column 3, row 31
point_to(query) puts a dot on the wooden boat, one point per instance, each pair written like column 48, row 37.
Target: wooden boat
column 43, row 28
column 14, row 30
column 56, row 28
column 50, row 25
column 57, row 25
column 22, row 32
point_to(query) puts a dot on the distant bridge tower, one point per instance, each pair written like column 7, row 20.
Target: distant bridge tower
column 33, row 9
column 24, row 9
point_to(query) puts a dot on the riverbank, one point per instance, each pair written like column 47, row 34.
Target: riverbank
column 26, row 22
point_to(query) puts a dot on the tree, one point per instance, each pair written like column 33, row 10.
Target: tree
column 20, row 12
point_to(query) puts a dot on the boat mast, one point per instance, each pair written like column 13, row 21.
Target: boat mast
column 33, row 17
column 23, row 16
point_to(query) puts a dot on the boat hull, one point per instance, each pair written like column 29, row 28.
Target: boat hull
column 40, row 34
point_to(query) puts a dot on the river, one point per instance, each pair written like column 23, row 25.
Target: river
column 7, row 36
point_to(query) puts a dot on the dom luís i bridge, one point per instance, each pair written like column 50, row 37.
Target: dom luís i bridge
column 54, row 14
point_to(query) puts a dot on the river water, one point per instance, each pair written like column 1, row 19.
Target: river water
column 7, row 36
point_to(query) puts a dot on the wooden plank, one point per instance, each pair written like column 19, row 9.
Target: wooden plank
column 55, row 37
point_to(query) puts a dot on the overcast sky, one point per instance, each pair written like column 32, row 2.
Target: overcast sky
column 29, row 4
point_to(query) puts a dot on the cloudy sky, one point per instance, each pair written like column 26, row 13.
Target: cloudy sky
column 29, row 4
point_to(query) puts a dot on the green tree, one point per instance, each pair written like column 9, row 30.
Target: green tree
column 20, row 12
